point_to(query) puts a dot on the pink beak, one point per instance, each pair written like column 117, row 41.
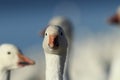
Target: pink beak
column 53, row 41
column 114, row 19
column 24, row 61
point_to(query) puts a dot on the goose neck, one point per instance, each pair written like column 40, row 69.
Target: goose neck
column 54, row 66
column 3, row 74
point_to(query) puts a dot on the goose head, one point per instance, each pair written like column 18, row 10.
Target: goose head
column 11, row 57
column 54, row 39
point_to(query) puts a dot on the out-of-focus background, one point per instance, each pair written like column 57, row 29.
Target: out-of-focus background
column 95, row 41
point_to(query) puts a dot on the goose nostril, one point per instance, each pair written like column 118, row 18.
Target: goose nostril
column 56, row 43
column 56, row 40
column 49, row 45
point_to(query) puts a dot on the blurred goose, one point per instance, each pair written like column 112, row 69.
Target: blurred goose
column 55, row 49
column 66, row 25
column 11, row 58
column 115, row 19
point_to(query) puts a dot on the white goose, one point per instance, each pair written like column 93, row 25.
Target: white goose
column 55, row 48
column 11, row 58
column 67, row 26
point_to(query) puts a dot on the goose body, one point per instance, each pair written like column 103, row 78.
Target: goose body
column 11, row 58
column 55, row 49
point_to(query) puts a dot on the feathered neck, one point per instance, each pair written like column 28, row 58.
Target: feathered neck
column 55, row 66
column 3, row 74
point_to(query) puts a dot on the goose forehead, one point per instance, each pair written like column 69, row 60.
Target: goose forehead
column 53, row 29
column 8, row 47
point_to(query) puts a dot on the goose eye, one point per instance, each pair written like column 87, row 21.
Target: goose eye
column 9, row 53
column 61, row 33
column 46, row 34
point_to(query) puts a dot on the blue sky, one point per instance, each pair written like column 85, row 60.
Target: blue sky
column 21, row 20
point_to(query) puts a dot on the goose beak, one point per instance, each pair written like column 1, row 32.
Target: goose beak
column 114, row 19
column 53, row 41
column 24, row 61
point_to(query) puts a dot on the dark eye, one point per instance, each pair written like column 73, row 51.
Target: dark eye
column 61, row 33
column 46, row 34
column 9, row 53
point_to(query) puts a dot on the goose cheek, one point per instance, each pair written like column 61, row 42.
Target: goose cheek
column 24, row 61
